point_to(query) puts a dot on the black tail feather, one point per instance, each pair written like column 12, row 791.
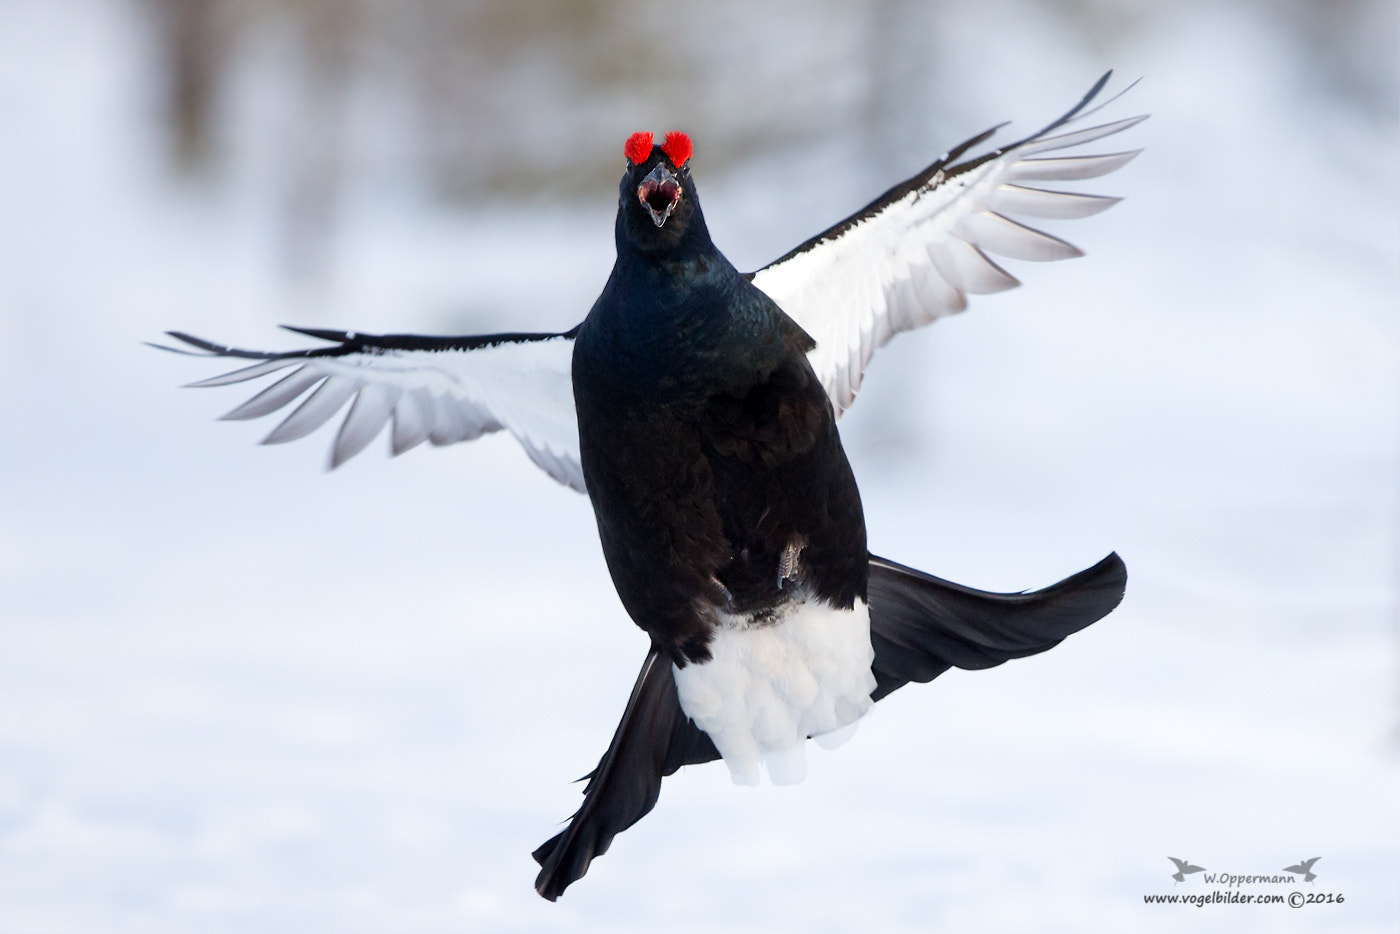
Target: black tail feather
column 653, row 739
column 920, row 626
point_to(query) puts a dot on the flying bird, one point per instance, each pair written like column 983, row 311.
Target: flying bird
column 1305, row 869
column 697, row 407
column 1183, row 869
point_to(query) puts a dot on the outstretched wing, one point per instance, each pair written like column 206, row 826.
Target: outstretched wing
column 916, row 252
column 438, row 389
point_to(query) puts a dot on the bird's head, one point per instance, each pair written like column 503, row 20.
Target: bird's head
column 657, row 198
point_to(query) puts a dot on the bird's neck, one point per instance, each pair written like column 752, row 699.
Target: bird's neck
column 678, row 318
column 682, row 239
column 685, row 285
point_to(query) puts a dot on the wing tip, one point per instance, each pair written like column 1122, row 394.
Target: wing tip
column 171, row 349
column 324, row 334
column 209, row 347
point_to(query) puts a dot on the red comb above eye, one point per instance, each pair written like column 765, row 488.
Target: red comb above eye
column 678, row 148
column 638, row 148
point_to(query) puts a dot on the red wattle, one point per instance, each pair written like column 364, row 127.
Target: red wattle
column 638, row 148
column 678, row 147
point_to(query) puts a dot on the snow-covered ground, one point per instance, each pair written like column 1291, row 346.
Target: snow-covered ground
column 240, row 694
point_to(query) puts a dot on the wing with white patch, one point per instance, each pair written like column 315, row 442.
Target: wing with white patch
column 916, row 252
column 438, row 389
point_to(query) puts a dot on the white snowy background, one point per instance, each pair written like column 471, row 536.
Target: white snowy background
column 238, row 693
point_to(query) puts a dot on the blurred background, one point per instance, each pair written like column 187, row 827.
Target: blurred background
column 239, row 693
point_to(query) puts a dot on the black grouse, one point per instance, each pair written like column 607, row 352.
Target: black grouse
column 697, row 407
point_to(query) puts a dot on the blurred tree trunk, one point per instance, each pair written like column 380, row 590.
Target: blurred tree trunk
column 316, row 138
column 194, row 48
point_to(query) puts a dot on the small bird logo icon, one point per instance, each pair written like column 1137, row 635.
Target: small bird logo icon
column 1183, row 868
column 1305, row 868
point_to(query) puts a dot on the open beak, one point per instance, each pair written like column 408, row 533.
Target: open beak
column 659, row 193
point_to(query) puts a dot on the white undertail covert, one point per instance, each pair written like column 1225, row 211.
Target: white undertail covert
column 770, row 686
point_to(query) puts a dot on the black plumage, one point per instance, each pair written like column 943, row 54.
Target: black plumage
column 708, row 445
column 697, row 406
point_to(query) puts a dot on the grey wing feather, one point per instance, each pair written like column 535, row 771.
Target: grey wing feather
column 439, row 389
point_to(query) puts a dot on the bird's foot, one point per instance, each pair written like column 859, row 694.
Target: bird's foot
column 787, row 561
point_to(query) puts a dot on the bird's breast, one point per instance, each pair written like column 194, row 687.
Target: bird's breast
column 708, row 449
